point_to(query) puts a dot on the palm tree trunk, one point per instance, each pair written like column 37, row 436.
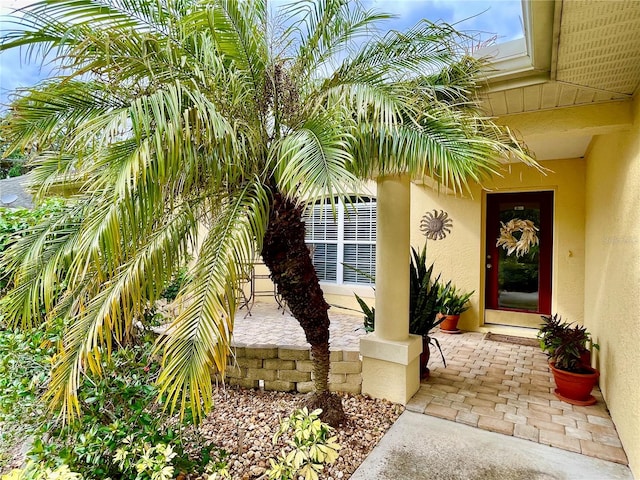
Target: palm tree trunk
column 286, row 255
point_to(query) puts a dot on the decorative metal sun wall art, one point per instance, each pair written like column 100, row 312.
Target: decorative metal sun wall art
column 436, row 225
column 528, row 237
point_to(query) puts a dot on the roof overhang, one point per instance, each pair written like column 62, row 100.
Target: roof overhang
column 524, row 61
column 566, row 67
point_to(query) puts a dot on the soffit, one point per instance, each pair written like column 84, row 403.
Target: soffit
column 544, row 96
column 599, row 45
column 595, row 59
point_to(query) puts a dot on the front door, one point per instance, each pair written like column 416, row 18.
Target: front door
column 518, row 258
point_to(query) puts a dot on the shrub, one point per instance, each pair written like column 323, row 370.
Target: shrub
column 172, row 288
column 15, row 171
column 15, row 223
column 311, row 447
column 121, row 425
column 121, row 433
column 24, row 372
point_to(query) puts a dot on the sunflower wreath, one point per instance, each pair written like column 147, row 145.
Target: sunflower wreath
column 510, row 243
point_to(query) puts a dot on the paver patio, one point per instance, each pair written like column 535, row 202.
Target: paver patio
column 495, row 386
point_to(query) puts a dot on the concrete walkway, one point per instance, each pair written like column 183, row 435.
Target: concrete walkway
column 420, row 447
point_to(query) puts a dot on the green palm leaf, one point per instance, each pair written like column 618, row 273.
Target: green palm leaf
column 170, row 115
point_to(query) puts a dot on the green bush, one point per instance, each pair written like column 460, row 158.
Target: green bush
column 121, row 423
column 16, row 222
column 25, row 359
column 172, row 288
column 122, row 432
column 15, row 171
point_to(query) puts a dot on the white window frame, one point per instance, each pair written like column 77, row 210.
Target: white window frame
column 340, row 243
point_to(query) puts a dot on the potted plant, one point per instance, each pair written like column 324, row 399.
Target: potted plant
column 567, row 346
column 423, row 307
column 452, row 304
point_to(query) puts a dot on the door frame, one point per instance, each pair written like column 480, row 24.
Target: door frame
column 547, row 196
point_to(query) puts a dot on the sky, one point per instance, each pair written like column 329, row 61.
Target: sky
column 488, row 17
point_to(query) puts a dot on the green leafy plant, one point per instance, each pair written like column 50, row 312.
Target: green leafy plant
column 16, row 223
column 565, row 343
column 369, row 314
column 146, row 462
column 122, row 432
column 172, row 287
column 424, row 300
column 423, row 294
column 25, row 359
column 312, row 446
column 15, row 171
column 34, row 471
column 550, row 333
column 452, row 301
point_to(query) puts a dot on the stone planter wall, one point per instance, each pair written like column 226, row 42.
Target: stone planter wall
column 288, row 369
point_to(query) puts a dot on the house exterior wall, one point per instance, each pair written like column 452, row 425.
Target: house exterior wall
column 612, row 275
column 460, row 256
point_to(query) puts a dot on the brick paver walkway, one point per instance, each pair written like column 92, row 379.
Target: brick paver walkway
column 494, row 386
column 508, row 388
column 268, row 325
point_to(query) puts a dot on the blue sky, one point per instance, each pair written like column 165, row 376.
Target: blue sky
column 488, row 17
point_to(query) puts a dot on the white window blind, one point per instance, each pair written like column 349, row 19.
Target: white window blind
column 343, row 247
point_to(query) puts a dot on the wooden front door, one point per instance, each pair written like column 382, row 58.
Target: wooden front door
column 517, row 282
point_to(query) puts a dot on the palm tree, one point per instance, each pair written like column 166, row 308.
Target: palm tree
column 167, row 115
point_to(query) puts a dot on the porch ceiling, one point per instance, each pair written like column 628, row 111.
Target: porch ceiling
column 595, row 59
column 599, row 45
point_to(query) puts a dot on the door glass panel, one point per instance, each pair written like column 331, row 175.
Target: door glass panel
column 518, row 272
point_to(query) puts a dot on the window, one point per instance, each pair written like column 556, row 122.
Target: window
column 343, row 248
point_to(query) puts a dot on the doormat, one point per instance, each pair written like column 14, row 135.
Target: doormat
column 495, row 337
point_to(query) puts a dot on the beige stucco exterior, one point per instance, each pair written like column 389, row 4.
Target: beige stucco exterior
column 390, row 355
column 612, row 275
column 460, row 256
column 596, row 259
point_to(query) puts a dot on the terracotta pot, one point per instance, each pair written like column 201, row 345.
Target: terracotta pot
column 575, row 388
column 424, row 359
column 585, row 358
column 450, row 324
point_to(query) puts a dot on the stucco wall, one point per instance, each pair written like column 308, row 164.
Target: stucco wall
column 612, row 275
column 460, row 257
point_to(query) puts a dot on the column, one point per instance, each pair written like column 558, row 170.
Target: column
column 390, row 356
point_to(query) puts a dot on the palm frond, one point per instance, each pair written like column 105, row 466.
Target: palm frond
column 199, row 338
column 328, row 29
column 104, row 310
column 313, row 162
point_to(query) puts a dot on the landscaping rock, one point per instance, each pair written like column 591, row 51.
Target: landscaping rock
column 243, row 423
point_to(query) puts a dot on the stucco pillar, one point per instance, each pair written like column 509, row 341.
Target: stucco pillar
column 390, row 356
